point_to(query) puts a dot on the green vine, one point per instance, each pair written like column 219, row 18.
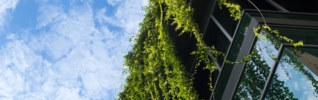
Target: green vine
column 235, row 9
column 276, row 34
column 155, row 72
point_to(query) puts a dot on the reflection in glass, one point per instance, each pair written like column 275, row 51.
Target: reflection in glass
column 232, row 55
column 310, row 37
column 296, row 75
column 257, row 70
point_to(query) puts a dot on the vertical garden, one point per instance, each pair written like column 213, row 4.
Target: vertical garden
column 153, row 67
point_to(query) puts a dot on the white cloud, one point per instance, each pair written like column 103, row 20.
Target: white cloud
column 114, row 2
column 127, row 16
column 5, row 7
column 49, row 14
column 71, row 58
column 67, row 94
column 16, row 71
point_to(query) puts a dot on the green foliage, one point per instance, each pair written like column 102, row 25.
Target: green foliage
column 275, row 33
column 235, row 9
column 155, row 72
column 235, row 12
column 256, row 73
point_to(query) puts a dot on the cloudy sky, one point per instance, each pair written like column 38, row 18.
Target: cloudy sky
column 65, row 49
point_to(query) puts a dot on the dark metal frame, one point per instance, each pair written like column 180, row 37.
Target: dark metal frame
column 238, row 69
column 227, row 35
column 231, row 39
column 203, row 30
column 272, row 73
column 281, row 50
column 227, row 53
column 277, row 6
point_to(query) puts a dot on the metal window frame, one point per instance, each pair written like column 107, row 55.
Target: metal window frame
column 272, row 73
column 230, row 46
column 276, row 5
column 227, row 35
column 279, row 12
column 227, row 54
column 205, row 26
column 230, row 83
column 238, row 69
column 212, row 18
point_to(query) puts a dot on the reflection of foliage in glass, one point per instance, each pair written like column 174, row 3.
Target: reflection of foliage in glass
column 292, row 63
column 257, row 71
column 277, row 90
column 254, row 79
column 297, row 65
column 276, row 34
column 237, row 43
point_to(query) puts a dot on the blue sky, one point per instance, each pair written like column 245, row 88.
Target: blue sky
column 65, row 49
column 297, row 83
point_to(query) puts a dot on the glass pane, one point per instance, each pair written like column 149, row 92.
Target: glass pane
column 296, row 75
column 258, row 68
column 308, row 36
column 224, row 18
column 236, row 46
column 215, row 37
column 284, row 15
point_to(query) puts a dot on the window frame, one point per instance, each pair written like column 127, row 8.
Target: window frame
column 272, row 73
column 238, row 69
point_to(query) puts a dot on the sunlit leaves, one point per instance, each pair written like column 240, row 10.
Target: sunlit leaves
column 234, row 9
column 155, row 70
column 276, row 34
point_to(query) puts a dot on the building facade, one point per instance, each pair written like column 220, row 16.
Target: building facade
column 277, row 69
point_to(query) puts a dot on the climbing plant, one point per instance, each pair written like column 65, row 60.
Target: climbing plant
column 154, row 71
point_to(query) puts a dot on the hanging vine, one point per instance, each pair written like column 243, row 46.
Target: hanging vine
column 155, row 72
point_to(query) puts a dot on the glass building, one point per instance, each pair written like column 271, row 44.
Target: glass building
column 277, row 70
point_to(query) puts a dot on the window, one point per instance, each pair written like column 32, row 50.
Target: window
column 296, row 75
column 308, row 36
column 223, row 17
column 252, row 79
column 215, row 37
column 296, row 66
column 231, row 56
column 258, row 69
column 285, row 16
